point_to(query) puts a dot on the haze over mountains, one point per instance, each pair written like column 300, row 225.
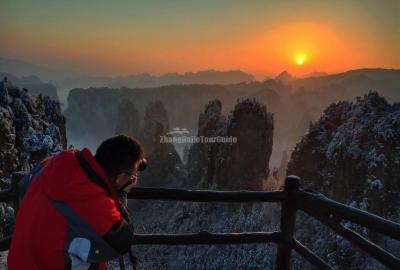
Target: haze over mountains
column 22, row 68
column 65, row 80
column 295, row 103
column 70, row 78
column 148, row 80
column 92, row 105
column 30, row 75
column 35, row 85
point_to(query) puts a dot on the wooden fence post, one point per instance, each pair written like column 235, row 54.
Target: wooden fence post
column 288, row 220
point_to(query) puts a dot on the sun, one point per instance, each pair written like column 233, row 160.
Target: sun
column 300, row 58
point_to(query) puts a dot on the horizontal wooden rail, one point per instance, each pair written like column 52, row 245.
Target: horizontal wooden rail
column 205, row 195
column 362, row 243
column 201, row 238
column 310, row 256
column 206, row 238
column 318, row 205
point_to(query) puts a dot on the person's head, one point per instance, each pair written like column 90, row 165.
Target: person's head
column 121, row 157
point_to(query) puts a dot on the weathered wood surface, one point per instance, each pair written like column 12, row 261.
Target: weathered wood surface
column 207, row 238
column 205, row 195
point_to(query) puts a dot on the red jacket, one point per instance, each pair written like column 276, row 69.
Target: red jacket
column 44, row 237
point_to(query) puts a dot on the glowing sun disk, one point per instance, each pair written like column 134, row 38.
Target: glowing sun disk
column 300, row 58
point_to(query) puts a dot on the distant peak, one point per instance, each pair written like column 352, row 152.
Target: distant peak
column 284, row 76
column 314, row 74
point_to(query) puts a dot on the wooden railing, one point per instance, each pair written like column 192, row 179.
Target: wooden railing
column 293, row 198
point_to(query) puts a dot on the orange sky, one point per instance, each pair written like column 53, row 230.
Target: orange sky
column 253, row 36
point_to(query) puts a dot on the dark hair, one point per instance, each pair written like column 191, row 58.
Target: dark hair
column 119, row 153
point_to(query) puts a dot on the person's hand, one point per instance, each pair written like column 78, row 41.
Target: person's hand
column 125, row 181
column 130, row 184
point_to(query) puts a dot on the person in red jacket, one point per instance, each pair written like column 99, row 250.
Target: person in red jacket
column 70, row 216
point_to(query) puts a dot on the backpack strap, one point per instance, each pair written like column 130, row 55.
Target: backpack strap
column 92, row 175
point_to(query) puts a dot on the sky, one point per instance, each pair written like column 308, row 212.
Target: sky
column 259, row 37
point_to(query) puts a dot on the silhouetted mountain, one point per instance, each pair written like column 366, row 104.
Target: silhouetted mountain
column 65, row 80
column 202, row 160
column 22, row 68
column 314, row 74
column 34, row 84
column 245, row 164
column 284, row 76
column 93, row 112
column 242, row 164
column 354, row 83
column 148, row 80
column 128, row 119
column 165, row 162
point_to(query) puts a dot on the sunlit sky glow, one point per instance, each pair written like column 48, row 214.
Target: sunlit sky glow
column 262, row 38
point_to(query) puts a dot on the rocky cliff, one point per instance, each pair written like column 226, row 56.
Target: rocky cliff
column 245, row 164
column 202, row 160
column 128, row 119
column 352, row 154
column 35, row 85
column 164, row 162
column 241, row 164
column 30, row 129
column 93, row 112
